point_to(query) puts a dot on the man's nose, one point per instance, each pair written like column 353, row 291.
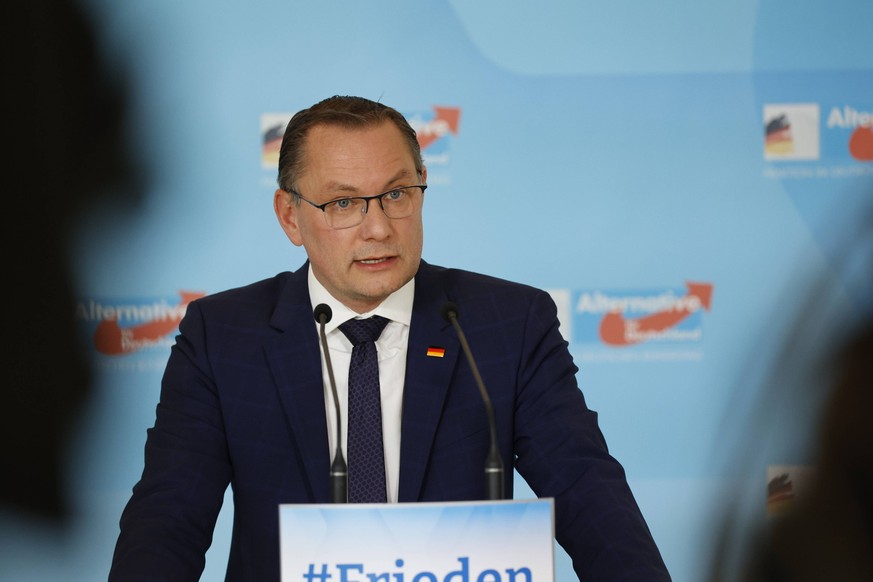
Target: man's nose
column 376, row 223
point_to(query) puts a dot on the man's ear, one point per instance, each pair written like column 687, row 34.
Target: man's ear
column 286, row 211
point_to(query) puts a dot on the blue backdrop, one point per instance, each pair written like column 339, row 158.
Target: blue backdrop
column 682, row 176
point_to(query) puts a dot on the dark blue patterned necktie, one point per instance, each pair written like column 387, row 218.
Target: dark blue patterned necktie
column 366, row 457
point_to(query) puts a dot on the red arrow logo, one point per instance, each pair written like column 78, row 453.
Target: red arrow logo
column 615, row 330
column 861, row 143
column 446, row 120
column 113, row 340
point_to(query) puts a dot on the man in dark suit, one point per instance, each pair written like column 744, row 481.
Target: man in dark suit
column 246, row 400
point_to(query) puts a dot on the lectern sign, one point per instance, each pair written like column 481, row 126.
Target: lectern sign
column 487, row 541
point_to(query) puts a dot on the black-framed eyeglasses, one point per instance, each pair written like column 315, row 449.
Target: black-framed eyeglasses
column 348, row 212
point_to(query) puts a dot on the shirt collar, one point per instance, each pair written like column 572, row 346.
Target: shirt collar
column 396, row 307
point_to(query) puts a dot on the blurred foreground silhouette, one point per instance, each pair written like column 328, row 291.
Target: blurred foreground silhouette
column 822, row 382
column 67, row 153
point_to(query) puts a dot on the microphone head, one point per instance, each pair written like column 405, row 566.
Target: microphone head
column 322, row 310
column 449, row 310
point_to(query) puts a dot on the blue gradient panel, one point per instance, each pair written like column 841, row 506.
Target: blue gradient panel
column 418, row 539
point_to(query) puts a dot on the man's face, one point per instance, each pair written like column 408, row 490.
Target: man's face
column 360, row 266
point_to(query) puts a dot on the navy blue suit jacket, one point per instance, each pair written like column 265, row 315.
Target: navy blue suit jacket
column 242, row 403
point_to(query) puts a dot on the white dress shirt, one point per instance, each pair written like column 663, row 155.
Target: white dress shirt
column 391, row 347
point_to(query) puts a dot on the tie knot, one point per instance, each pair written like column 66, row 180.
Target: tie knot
column 361, row 331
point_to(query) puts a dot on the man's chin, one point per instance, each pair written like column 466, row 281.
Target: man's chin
column 375, row 291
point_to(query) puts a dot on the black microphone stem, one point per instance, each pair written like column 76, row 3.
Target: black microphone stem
column 339, row 472
column 493, row 463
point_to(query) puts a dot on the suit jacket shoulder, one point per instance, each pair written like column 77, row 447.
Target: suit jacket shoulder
column 474, row 292
column 273, row 301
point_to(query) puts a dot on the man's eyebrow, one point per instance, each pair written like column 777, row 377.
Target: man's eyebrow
column 402, row 174
column 349, row 190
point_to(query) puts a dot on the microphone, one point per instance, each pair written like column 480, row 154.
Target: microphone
column 493, row 463
column 339, row 472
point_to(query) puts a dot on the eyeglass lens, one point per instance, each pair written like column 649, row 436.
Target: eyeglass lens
column 347, row 212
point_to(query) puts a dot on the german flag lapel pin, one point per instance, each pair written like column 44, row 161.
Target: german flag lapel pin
column 436, row 352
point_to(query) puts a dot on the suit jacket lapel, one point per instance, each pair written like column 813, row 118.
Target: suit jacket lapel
column 427, row 380
column 295, row 360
